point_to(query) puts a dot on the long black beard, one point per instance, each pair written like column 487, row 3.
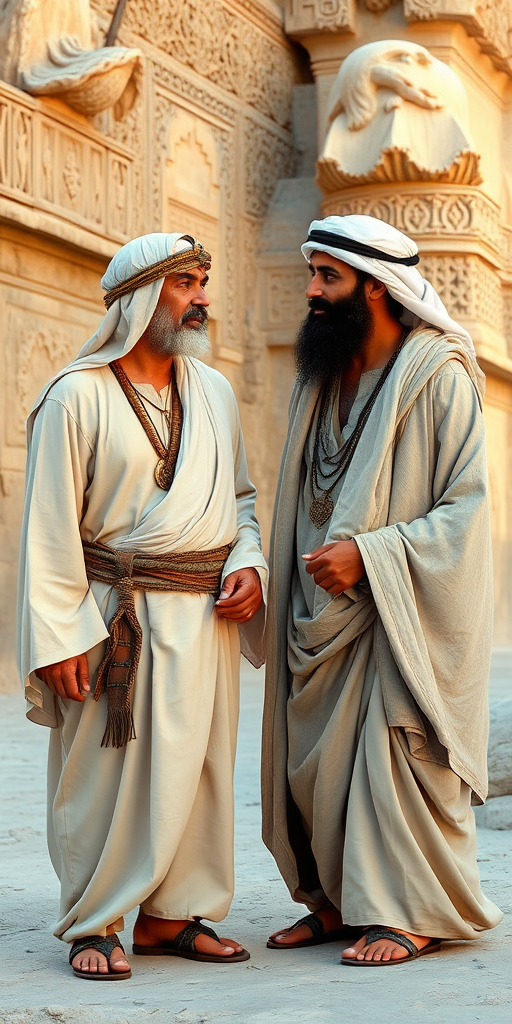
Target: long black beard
column 327, row 343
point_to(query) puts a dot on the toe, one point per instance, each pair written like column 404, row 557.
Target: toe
column 121, row 964
column 204, row 944
column 349, row 953
column 233, row 943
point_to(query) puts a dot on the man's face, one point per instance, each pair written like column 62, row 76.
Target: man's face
column 338, row 324
column 179, row 324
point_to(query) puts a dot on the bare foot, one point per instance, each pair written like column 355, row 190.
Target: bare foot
column 329, row 916
column 150, row 931
column 383, row 949
column 92, row 962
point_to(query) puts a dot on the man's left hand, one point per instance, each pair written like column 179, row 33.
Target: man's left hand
column 335, row 567
column 240, row 597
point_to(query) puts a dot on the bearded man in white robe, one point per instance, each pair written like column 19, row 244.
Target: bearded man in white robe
column 140, row 556
column 380, row 612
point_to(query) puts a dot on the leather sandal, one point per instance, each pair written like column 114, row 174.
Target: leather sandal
column 318, row 934
column 102, row 944
column 183, row 944
column 372, row 934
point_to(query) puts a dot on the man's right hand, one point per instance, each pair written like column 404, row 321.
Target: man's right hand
column 68, row 679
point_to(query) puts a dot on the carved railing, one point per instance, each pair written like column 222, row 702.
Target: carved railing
column 62, row 168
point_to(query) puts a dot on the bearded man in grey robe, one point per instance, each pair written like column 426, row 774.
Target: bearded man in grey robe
column 140, row 556
column 380, row 611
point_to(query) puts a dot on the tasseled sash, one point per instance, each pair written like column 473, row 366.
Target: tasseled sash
column 193, row 572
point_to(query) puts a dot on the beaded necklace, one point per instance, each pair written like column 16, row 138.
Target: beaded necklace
column 322, row 505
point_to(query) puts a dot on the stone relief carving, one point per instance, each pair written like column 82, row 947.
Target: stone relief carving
column 226, row 147
column 129, row 132
column 202, row 96
column 268, row 157
column 467, row 286
column 459, row 212
column 223, row 47
column 422, row 9
column 38, row 350
column 74, row 173
column 379, row 6
column 47, row 51
column 327, row 15
column 397, row 114
column 507, row 319
column 489, row 20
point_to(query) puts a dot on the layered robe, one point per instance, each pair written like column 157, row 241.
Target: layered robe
column 375, row 723
column 150, row 823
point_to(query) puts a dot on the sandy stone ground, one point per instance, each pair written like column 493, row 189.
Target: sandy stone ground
column 465, row 982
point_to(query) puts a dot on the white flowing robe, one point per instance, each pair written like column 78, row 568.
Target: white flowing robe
column 150, row 823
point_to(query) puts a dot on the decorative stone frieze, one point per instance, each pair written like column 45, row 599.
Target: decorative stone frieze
column 203, row 96
column 223, row 47
column 63, row 168
column 468, row 286
column 379, row 6
column 262, row 173
column 489, row 20
column 320, row 15
column 463, row 214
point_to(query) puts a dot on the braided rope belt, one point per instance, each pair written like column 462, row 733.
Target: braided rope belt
column 191, row 572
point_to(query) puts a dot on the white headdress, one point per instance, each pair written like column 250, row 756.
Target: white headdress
column 133, row 281
column 376, row 248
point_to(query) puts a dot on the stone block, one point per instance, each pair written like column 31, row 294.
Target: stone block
column 496, row 813
column 499, row 756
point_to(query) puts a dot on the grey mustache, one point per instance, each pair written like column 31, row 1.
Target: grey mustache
column 199, row 313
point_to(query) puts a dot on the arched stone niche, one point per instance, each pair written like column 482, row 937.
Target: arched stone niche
column 192, row 195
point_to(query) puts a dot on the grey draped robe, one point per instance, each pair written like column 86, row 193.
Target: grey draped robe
column 375, row 724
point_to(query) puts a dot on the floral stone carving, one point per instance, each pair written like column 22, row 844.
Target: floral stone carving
column 397, row 114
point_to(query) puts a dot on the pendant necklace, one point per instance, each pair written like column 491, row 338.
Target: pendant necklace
column 167, row 454
column 322, row 504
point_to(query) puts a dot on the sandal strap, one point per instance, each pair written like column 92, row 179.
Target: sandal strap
column 386, row 933
column 184, row 940
column 105, row 944
column 314, row 923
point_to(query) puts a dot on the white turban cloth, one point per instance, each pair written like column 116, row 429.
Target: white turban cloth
column 419, row 299
column 128, row 316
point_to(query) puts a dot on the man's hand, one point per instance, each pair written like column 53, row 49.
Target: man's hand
column 240, row 597
column 68, row 679
column 336, row 566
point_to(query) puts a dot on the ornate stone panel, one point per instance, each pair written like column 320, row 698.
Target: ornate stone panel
column 457, row 212
column 39, row 345
column 179, row 84
column 65, row 169
column 323, row 15
column 221, row 46
column 192, row 193
column 379, row 6
column 507, row 319
column 268, row 157
column 468, row 287
column 489, row 20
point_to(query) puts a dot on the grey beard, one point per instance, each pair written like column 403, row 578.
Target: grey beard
column 167, row 338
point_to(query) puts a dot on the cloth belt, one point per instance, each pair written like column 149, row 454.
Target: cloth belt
column 190, row 572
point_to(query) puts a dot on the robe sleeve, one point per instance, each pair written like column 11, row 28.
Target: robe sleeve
column 58, row 616
column 246, row 552
column 431, row 580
